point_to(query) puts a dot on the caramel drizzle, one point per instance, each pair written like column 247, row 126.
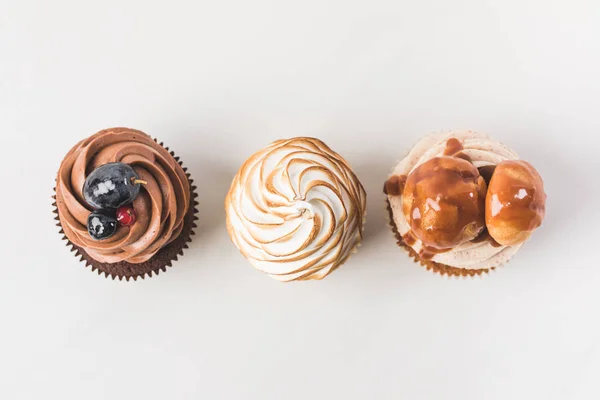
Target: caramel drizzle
column 428, row 252
column 454, row 148
column 394, row 186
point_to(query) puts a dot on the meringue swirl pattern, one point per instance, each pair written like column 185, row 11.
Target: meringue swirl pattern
column 295, row 210
column 482, row 151
column 160, row 207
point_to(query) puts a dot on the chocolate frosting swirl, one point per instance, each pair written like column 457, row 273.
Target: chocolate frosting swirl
column 160, row 207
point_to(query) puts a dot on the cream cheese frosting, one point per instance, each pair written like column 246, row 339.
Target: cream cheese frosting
column 160, row 207
column 295, row 209
column 483, row 151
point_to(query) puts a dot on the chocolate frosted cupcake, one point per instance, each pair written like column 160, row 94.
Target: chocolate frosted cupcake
column 462, row 204
column 125, row 204
column 296, row 210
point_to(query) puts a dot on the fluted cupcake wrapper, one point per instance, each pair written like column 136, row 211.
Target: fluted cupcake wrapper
column 160, row 261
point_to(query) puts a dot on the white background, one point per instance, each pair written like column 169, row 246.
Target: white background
column 218, row 80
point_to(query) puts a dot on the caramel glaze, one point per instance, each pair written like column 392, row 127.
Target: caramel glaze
column 409, row 238
column 426, row 252
column 454, row 148
column 444, row 203
column 394, row 186
column 515, row 203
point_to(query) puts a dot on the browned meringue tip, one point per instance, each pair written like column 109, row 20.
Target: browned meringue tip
column 317, row 277
column 160, row 261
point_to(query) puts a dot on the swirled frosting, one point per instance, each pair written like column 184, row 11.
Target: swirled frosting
column 295, row 209
column 160, row 207
column 482, row 151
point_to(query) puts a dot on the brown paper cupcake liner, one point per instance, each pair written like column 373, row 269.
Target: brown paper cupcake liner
column 441, row 269
column 160, row 261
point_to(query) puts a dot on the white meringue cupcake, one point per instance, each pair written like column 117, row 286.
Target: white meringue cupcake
column 296, row 210
column 473, row 251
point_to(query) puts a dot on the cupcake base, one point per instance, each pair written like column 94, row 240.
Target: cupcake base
column 438, row 268
column 159, row 262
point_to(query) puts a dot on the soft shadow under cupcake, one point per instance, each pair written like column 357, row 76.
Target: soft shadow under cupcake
column 213, row 178
column 372, row 173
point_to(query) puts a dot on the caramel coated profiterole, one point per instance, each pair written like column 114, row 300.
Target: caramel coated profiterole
column 515, row 204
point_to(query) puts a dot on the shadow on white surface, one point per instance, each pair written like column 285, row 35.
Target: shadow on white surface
column 372, row 173
column 212, row 178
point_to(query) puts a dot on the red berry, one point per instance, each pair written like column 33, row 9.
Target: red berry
column 126, row 215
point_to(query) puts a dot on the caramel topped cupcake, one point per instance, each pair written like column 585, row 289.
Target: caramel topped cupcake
column 463, row 204
column 124, row 203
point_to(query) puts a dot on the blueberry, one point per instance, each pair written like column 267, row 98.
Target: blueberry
column 102, row 224
column 111, row 186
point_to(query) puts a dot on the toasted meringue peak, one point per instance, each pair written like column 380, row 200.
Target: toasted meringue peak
column 295, row 209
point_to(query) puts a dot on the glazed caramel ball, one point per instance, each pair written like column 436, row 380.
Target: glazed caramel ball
column 515, row 203
column 444, row 202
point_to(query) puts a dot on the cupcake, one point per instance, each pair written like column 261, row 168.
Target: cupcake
column 296, row 210
column 124, row 203
column 463, row 204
